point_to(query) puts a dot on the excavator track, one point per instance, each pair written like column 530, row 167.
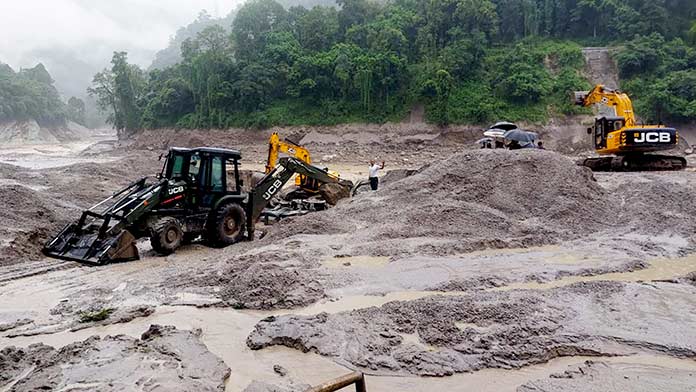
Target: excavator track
column 638, row 162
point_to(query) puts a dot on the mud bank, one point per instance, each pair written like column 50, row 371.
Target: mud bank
column 163, row 358
column 443, row 335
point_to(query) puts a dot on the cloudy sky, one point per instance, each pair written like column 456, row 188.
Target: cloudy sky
column 95, row 28
column 75, row 38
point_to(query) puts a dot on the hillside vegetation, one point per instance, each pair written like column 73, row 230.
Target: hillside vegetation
column 30, row 95
column 464, row 60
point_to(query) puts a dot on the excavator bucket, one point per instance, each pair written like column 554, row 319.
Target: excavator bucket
column 90, row 246
column 579, row 97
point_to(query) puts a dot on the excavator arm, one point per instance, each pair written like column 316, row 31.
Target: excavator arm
column 277, row 146
column 601, row 95
column 273, row 182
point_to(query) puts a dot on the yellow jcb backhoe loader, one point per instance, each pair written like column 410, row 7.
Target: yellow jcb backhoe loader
column 627, row 144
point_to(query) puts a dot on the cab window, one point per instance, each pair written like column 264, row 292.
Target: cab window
column 194, row 166
column 177, row 166
column 217, row 175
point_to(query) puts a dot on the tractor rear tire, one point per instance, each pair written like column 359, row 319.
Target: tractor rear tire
column 227, row 226
column 166, row 235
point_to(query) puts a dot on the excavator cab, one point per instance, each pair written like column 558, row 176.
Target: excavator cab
column 603, row 128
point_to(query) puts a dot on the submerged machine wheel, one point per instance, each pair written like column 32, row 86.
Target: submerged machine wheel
column 166, row 235
column 227, row 226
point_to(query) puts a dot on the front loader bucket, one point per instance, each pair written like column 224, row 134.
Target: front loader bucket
column 89, row 247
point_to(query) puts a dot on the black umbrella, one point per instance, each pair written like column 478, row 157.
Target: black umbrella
column 520, row 136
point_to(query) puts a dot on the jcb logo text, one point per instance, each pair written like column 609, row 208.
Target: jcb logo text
column 653, row 137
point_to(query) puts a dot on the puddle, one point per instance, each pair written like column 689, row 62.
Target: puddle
column 659, row 269
column 356, row 262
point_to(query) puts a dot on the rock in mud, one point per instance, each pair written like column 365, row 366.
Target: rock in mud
column 164, row 359
column 443, row 335
column 333, row 192
column 601, row 376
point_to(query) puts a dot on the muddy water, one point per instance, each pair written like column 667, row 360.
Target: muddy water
column 660, row 269
column 224, row 332
column 356, row 261
column 49, row 156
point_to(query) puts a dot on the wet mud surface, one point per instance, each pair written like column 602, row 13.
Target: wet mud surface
column 510, row 329
column 162, row 359
column 516, row 266
column 598, row 376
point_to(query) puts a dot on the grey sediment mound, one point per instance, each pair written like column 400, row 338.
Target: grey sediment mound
column 27, row 220
column 597, row 376
column 162, row 359
column 261, row 282
column 469, row 201
column 443, row 335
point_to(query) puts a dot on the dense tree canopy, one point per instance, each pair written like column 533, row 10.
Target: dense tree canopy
column 367, row 60
column 30, row 95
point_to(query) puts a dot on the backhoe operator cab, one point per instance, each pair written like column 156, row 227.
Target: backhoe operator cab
column 203, row 196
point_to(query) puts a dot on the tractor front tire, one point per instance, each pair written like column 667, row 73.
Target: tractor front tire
column 227, row 225
column 166, row 235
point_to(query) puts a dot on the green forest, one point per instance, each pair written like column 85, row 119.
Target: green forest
column 30, row 95
column 465, row 61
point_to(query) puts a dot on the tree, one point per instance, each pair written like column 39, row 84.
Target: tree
column 76, row 110
column 118, row 91
column 477, row 16
column 255, row 20
column 318, row 28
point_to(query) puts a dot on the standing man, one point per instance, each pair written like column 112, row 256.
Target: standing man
column 373, row 171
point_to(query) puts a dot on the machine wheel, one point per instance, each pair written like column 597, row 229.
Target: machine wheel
column 227, row 226
column 166, row 235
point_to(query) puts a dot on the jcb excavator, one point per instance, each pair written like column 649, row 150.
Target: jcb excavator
column 621, row 137
column 276, row 146
column 198, row 193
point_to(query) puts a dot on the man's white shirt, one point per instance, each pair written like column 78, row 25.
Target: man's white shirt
column 374, row 169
